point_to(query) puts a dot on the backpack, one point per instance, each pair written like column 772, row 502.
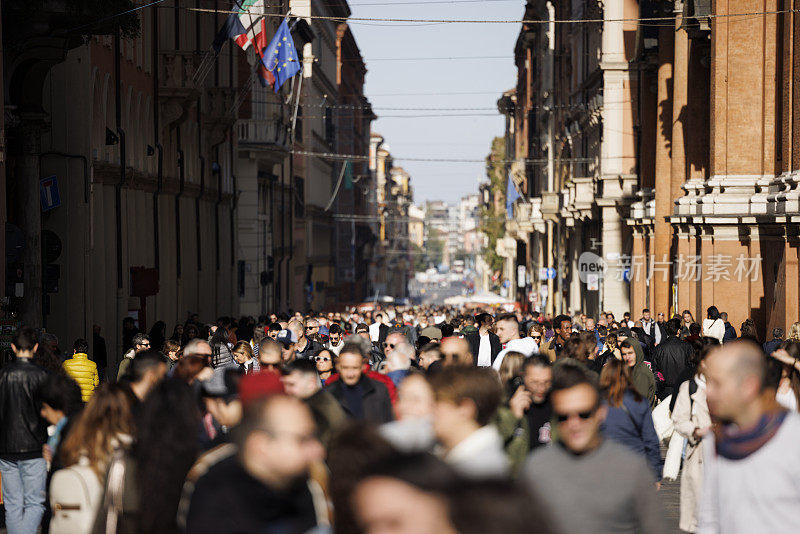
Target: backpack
column 75, row 494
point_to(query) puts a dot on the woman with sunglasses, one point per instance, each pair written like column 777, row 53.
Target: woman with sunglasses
column 628, row 419
column 536, row 331
column 324, row 361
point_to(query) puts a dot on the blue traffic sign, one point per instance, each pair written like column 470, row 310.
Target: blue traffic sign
column 48, row 191
column 551, row 273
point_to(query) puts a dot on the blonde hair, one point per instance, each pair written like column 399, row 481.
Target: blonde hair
column 511, row 366
column 794, row 331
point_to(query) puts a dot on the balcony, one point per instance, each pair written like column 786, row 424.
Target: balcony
column 217, row 116
column 266, row 135
column 551, row 205
column 177, row 94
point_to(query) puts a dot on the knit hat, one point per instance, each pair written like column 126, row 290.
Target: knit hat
column 256, row 386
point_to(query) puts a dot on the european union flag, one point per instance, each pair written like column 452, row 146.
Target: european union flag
column 280, row 56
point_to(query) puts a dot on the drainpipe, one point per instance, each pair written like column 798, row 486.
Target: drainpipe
column 122, row 162
column 181, row 187
column 156, row 138
column 202, row 189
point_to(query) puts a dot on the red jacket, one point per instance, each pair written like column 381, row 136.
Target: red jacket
column 383, row 379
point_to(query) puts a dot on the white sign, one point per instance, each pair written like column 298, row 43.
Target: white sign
column 521, row 274
column 592, row 282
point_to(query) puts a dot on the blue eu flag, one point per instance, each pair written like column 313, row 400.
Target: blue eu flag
column 280, row 56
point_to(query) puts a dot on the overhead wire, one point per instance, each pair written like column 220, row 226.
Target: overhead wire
column 500, row 21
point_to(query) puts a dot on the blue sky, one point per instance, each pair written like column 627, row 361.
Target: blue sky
column 390, row 84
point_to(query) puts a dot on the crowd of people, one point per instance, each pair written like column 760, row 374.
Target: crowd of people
column 404, row 420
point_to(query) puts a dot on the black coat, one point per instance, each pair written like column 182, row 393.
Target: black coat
column 22, row 429
column 228, row 499
column 671, row 358
column 474, row 341
column 377, row 405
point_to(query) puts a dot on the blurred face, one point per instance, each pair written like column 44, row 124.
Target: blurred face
column 364, row 334
column 324, row 361
column 287, row 352
column 349, row 368
column 428, row 357
column 450, row 420
column 144, row 345
column 578, row 416
column 286, row 445
column 300, row 385
column 565, row 329
column 335, row 338
column 646, row 315
column 273, row 334
column 589, row 324
column 687, row 318
column 727, row 392
column 389, row 506
column 312, row 327
column 507, row 330
column 226, row 413
column 536, row 336
column 50, row 414
column 628, row 356
column 273, row 318
column 538, row 380
column 414, row 398
column 455, row 351
column 241, row 357
column 392, row 340
column 270, row 360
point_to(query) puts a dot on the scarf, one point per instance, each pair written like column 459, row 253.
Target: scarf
column 736, row 444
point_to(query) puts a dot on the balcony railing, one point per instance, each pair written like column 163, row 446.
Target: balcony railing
column 176, row 69
column 263, row 133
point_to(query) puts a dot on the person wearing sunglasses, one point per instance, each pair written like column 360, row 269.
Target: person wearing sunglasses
column 324, row 364
column 614, row 486
column 335, row 339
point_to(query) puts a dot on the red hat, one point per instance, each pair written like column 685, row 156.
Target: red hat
column 256, row 386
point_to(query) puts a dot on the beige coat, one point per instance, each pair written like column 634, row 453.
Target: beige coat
column 687, row 417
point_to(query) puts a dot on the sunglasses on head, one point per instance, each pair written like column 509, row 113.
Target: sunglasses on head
column 564, row 417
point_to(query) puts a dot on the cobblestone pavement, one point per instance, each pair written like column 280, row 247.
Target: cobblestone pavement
column 670, row 499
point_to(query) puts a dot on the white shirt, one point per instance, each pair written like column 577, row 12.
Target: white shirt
column 756, row 494
column 375, row 331
column 480, row 454
column 485, row 352
column 525, row 345
column 787, row 400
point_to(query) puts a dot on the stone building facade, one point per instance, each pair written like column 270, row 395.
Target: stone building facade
column 668, row 150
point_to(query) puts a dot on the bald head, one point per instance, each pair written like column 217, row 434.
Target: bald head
column 744, row 360
column 736, row 377
column 455, row 351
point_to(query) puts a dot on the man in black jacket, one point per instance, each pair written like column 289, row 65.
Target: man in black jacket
column 671, row 357
column 22, row 435
column 361, row 397
column 484, row 344
column 262, row 483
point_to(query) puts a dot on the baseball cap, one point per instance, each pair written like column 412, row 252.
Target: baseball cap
column 286, row 337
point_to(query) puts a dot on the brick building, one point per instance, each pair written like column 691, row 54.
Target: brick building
column 667, row 149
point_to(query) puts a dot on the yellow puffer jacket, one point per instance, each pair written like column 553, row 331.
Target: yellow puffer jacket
column 83, row 371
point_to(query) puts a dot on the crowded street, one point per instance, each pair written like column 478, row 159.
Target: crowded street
column 399, row 267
